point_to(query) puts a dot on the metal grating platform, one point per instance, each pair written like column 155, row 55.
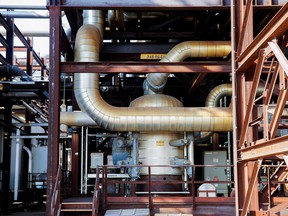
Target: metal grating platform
column 127, row 212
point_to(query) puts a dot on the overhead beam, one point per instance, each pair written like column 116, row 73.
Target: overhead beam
column 142, row 4
column 144, row 67
column 276, row 27
column 266, row 149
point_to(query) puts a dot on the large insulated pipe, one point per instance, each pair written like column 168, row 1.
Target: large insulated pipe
column 86, row 87
column 156, row 81
column 213, row 99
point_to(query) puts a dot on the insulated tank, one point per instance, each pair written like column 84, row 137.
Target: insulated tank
column 154, row 148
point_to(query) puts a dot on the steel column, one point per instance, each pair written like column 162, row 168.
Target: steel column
column 54, row 105
column 247, row 28
column 29, row 62
column 10, row 40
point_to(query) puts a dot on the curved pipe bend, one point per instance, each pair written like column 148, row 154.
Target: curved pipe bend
column 86, row 88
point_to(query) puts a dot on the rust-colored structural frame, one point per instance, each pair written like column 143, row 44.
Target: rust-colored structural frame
column 252, row 60
column 246, row 72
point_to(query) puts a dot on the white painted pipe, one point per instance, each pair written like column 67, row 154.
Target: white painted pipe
column 17, row 164
column 29, row 165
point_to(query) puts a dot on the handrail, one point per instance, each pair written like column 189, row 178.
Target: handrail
column 147, row 197
column 55, row 200
column 96, row 197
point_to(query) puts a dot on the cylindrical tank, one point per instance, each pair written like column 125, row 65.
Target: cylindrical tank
column 154, row 148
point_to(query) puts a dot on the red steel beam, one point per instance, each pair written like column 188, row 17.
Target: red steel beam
column 144, row 67
column 248, row 12
column 279, row 55
column 252, row 97
column 252, row 183
column 266, row 149
column 276, row 27
column 281, row 102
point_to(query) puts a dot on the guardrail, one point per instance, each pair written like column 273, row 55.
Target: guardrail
column 152, row 196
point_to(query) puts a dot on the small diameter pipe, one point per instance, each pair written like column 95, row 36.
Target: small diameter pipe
column 135, row 157
column 81, row 170
column 178, row 142
column 185, row 178
column 17, row 164
column 86, row 161
column 29, row 165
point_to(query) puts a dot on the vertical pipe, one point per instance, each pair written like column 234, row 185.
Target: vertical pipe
column 185, row 158
column 86, row 159
column 135, row 157
column 29, row 165
column 17, row 164
column 191, row 150
column 82, row 160
column 234, row 99
column 54, row 88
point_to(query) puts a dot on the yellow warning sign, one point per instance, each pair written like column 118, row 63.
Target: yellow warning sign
column 152, row 56
column 160, row 143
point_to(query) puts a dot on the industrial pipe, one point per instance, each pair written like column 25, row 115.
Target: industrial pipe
column 213, row 99
column 29, row 165
column 195, row 49
column 25, row 14
column 17, row 165
column 10, row 70
column 86, row 88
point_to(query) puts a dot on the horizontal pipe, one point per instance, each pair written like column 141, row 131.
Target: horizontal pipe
column 25, row 14
column 86, row 89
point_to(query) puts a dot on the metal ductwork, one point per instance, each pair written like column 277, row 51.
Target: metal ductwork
column 86, row 87
column 195, row 49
